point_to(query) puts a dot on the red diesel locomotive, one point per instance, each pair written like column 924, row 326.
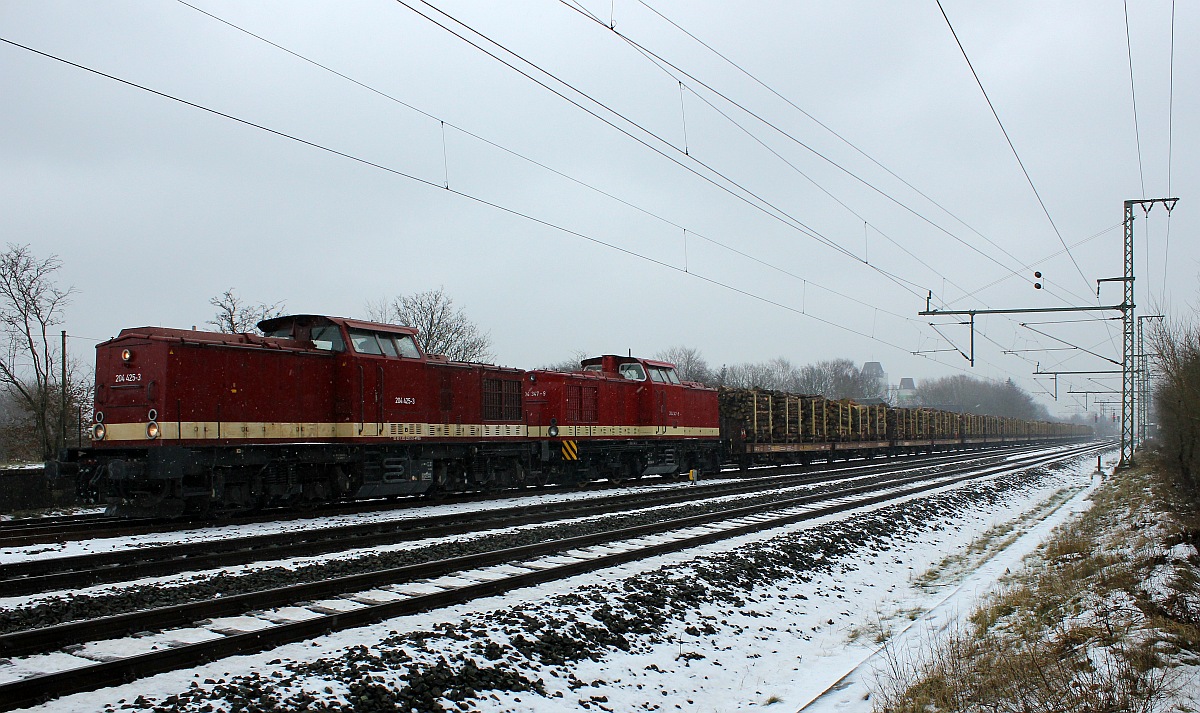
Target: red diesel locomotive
column 324, row 408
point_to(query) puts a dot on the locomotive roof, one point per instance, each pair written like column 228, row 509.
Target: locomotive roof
column 628, row 360
column 196, row 336
column 270, row 324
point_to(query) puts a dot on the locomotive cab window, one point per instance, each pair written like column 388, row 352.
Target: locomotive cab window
column 633, row 372
column 388, row 344
column 327, row 337
column 365, row 342
column 663, row 375
column 384, row 344
column 407, row 346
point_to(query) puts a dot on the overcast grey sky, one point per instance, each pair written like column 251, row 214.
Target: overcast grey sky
column 732, row 247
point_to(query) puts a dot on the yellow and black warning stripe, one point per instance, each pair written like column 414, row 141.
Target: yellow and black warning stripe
column 570, row 450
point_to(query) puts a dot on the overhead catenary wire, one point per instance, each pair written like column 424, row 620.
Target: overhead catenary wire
column 664, row 63
column 1170, row 152
column 1076, row 244
column 754, row 78
column 808, row 178
column 1133, row 94
column 674, row 72
column 462, row 194
column 1021, row 163
column 766, row 206
column 725, row 183
column 444, row 124
column 1063, row 341
column 435, row 184
column 750, row 198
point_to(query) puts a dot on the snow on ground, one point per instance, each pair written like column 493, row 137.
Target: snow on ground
column 10, row 555
column 850, row 692
column 176, row 580
column 778, row 644
column 293, row 563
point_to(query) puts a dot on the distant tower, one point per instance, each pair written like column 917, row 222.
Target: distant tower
column 907, row 393
column 874, row 370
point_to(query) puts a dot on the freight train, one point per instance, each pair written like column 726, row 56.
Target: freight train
column 321, row 409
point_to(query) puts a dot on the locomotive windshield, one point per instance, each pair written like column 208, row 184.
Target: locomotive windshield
column 632, row 371
column 327, row 337
column 663, row 375
column 384, row 344
column 323, row 334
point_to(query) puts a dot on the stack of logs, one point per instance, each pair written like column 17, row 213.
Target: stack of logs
column 781, row 417
column 923, row 424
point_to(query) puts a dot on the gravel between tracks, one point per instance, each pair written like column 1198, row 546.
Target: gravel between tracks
column 604, row 645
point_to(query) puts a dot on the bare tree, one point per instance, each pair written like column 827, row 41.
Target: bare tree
column 689, row 364
column 1176, row 349
column 31, row 304
column 235, row 316
column 838, row 379
column 749, row 376
column 441, row 328
column 971, row 395
column 570, row 364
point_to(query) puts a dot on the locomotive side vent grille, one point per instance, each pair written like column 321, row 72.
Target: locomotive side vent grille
column 405, row 429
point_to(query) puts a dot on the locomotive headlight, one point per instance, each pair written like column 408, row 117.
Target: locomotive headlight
column 553, row 430
column 98, row 432
column 126, row 355
column 152, row 430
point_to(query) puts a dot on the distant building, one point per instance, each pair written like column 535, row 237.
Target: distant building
column 874, row 370
column 906, row 393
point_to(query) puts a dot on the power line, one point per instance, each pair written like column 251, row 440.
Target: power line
column 645, row 211
column 759, row 203
column 1170, row 152
column 769, row 208
column 1133, row 93
column 781, row 214
column 476, row 199
column 652, row 59
column 659, row 61
column 1077, row 321
column 1035, row 262
column 812, row 118
column 1011, row 146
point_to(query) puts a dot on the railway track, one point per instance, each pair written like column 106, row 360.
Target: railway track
column 302, row 611
column 23, row 532
column 48, row 573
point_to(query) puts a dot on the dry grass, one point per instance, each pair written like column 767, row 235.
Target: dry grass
column 1077, row 629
